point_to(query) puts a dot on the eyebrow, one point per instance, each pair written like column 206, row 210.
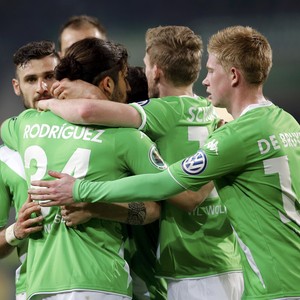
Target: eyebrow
column 35, row 75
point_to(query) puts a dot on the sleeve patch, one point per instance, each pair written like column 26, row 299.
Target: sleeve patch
column 156, row 159
column 195, row 164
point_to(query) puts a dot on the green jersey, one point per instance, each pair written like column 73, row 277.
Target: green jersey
column 13, row 193
column 184, row 123
column 90, row 256
column 256, row 170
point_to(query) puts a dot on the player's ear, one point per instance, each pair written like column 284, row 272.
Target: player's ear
column 235, row 76
column 107, row 85
column 156, row 72
column 16, row 86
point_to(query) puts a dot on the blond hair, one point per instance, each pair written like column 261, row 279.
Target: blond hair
column 244, row 48
column 177, row 50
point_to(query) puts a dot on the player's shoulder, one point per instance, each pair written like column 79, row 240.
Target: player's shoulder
column 125, row 132
column 130, row 135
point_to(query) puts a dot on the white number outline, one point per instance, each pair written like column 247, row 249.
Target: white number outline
column 77, row 165
column 280, row 166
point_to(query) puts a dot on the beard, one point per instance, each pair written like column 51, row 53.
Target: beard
column 118, row 96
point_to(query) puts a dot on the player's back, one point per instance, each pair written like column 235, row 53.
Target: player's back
column 47, row 142
column 264, row 186
column 254, row 162
column 179, row 126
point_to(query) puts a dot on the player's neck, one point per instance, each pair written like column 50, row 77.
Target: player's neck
column 175, row 91
column 244, row 100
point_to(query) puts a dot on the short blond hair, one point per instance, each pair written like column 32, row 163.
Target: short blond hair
column 244, row 48
column 177, row 50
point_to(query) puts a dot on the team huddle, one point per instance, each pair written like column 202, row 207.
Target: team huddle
column 123, row 196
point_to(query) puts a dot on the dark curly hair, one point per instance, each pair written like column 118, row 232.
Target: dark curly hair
column 34, row 50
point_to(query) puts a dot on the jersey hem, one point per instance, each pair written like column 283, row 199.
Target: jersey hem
column 181, row 277
column 76, row 290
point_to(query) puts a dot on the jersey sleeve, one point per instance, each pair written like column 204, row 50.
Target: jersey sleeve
column 9, row 132
column 219, row 156
column 10, row 129
column 159, row 116
column 140, row 188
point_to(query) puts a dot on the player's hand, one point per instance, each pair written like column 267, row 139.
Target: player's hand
column 77, row 213
column 59, row 191
column 25, row 224
column 67, row 89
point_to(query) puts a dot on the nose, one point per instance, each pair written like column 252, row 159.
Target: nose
column 205, row 81
column 42, row 86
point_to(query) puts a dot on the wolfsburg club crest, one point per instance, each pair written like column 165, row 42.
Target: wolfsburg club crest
column 195, row 164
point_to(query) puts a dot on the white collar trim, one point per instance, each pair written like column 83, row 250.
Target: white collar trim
column 263, row 103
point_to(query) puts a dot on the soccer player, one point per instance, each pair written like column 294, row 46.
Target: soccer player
column 179, row 122
column 85, row 261
column 253, row 160
column 34, row 75
column 77, row 28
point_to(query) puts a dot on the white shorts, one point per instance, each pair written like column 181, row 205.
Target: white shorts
column 228, row 286
column 21, row 296
column 80, row 295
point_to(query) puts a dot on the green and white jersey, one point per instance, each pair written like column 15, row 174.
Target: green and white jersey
column 90, row 256
column 13, row 193
column 179, row 126
column 255, row 161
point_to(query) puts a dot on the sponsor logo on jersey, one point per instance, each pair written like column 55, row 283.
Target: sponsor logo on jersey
column 195, row 164
column 144, row 102
column 156, row 159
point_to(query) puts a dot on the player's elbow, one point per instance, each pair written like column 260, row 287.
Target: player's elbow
column 85, row 113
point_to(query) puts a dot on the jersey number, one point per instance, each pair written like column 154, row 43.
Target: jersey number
column 280, row 166
column 76, row 166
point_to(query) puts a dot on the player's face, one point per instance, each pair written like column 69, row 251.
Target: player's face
column 152, row 81
column 34, row 80
column 217, row 82
column 121, row 89
column 70, row 36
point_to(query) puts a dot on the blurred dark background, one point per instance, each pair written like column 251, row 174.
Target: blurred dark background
column 127, row 21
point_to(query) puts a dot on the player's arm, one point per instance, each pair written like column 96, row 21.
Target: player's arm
column 135, row 213
column 189, row 200
column 90, row 111
column 139, row 188
column 22, row 228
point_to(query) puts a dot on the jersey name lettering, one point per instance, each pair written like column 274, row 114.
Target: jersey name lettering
column 62, row 132
column 209, row 210
column 201, row 114
column 288, row 140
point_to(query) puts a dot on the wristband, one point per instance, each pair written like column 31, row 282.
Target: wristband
column 10, row 236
